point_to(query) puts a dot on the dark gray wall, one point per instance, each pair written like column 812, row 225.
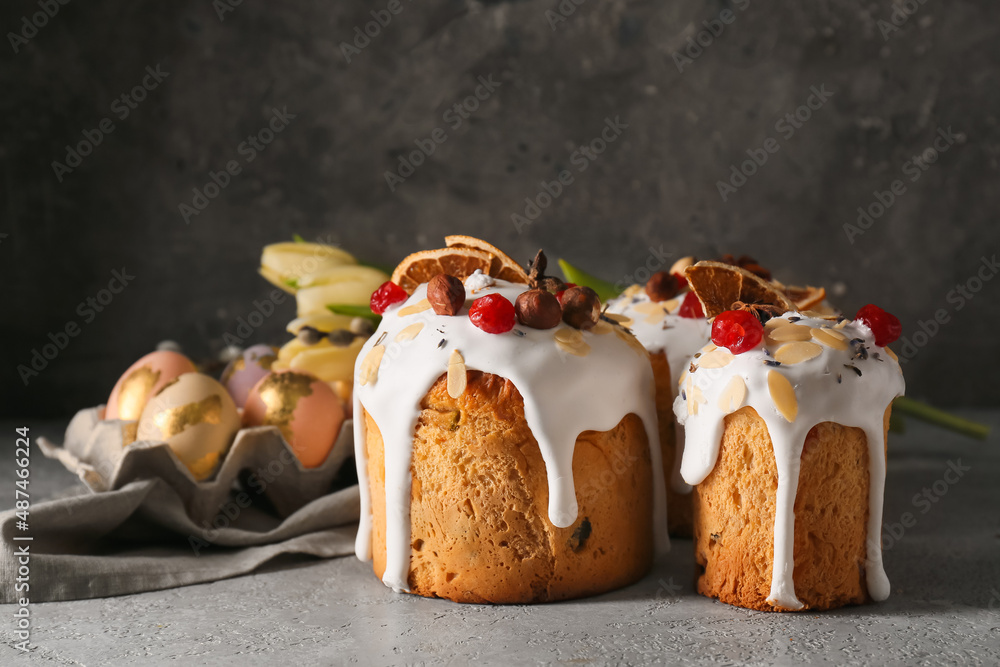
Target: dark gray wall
column 654, row 186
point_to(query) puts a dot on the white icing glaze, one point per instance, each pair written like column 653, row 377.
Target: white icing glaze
column 825, row 390
column 478, row 281
column 679, row 337
column 563, row 394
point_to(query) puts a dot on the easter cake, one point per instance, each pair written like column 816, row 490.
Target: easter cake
column 785, row 416
column 505, row 437
column 667, row 318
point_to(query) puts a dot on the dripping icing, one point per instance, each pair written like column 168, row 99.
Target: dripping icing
column 857, row 401
column 559, row 404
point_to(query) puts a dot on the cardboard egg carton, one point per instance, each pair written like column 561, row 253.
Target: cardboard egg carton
column 259, row 462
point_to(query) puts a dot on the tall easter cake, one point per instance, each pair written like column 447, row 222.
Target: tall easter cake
column 506, row 441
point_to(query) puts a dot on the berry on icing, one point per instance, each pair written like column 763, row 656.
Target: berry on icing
column 493, row 314
column 737, row 331
column 388, row 294
column 884, row 325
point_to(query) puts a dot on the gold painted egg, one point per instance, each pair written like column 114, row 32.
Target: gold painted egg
column 195, row 416
column 246, row 370
column 141, row 382
column 305, row 410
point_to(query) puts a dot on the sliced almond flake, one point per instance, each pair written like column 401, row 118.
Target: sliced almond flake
column 568, row 336
column 648, row 307
column 797, row 352
column 683, row 377
column 456, row 374
column 891, row 354
column 709, row 347
column 632, row 291
column 715, row 359
column 830, row 338
column 672, row 305
column 623, row 320
column 841, row 324
column 602, row 328
column 819, row 315
column 774, row 323
column 696, row 398
column 783, row 395
column 410, row 332
column 789, row 333
column 413, row 309
column 370, row 365
column 656, row 317
column 571, row 341
column 732, row 397
column 580, row 349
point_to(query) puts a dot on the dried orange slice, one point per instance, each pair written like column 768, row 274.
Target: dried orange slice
column 502, row 266
column 804, row 298
column 420, row 267
column 719, row 286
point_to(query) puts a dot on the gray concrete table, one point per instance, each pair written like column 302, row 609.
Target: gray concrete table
column 944, row 608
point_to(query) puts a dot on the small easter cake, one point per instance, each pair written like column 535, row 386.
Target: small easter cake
column 505, row 437
column 785, row 416
column 667, row 318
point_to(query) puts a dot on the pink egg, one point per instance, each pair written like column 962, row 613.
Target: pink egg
column 246, row 370
column 304, row 409
column 142, row 381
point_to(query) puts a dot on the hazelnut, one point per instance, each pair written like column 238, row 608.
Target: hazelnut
column 551, row 284
column 538, row 309
column 446, row 294
column 581, row 307
column 662, row 286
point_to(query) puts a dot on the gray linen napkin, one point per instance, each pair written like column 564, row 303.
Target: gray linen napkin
column 148, row 526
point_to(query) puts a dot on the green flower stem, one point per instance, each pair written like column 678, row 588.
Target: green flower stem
column 604, row 289
column 931, row 415
column 356, row 311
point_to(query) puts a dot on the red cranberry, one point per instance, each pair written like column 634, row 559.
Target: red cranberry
column 737, row 330
column 387, row 294
column 493, row 314
column 691, row 307
column 885, row 326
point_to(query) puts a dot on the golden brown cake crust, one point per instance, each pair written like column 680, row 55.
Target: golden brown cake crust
column 679, row 522
column 479, row 503
column 734, row 511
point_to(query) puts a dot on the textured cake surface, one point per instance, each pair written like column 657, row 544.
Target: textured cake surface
column 478, row 504
column 734, row 514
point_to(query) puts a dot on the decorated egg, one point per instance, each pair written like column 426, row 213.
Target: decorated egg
column 304, row 409
column 246, row 370
column 142, row 380
column 196, row 417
